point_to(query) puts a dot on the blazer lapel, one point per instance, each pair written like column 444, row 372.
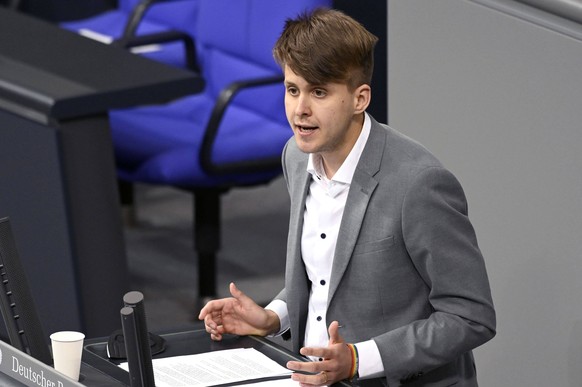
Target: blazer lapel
column 296, row 283
column 361, row 189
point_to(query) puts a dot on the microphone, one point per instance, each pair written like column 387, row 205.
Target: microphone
column 136, row 337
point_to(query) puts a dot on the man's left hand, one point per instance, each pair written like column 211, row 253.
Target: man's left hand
column 335, row 365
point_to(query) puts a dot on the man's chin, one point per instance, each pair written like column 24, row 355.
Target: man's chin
column 305, row 146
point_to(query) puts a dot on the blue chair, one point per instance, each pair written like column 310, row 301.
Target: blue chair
column 161, row 30
column 231, row 134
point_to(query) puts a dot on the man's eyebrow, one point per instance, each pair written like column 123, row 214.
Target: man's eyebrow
column 310, row 85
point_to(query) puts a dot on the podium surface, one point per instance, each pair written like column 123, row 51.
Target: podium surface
column 61, row 75
column 58, row 182
column 97, row 370
column 198, row 341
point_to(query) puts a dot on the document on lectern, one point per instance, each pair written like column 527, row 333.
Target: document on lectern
column 288, row 382
column 215, row 368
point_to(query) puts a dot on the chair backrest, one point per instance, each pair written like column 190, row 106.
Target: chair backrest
column 127, row 5
column 180, row 14
column 236, row 39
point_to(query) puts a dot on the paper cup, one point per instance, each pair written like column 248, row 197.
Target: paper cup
column 67, row 350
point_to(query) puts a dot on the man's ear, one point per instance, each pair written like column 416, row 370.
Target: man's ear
column 363, row 95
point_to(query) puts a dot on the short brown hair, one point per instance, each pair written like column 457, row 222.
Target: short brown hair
column 327, row 46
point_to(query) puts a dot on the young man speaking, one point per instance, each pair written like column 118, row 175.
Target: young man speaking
column 384, row 277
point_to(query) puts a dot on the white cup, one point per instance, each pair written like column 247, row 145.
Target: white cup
column 67, row 350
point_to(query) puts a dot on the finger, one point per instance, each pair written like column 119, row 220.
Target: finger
column 203, row 312
column 210, row 323
column 334, row 335
column 321, row 352
column 305, row 366
column 238, row 294
column 216, row 336
column 210, row 307
column 319, row 379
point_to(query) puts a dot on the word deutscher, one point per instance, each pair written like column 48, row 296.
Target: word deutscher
column 33, row 376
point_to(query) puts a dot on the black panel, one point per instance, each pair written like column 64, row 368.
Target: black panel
column 373, row 15
column 61, row 10
column 16, row 302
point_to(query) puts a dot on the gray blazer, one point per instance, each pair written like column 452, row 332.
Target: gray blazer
column 407, row 271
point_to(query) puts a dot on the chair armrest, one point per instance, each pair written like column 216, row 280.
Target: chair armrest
column 137, row 16
column 224, row 99
column 165, row 37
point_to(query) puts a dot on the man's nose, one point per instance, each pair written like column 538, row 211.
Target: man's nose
column 303, row 107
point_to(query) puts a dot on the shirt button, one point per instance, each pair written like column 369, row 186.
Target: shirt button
column 318, row 318
column 322, row 282
column 323, row 235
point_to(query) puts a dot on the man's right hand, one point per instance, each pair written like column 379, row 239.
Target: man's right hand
column 237, row 315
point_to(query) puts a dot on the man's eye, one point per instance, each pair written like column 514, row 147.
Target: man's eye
column 319, row 93
column 292, row 90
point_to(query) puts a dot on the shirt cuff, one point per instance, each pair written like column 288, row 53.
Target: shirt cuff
column 280, row 309
column 369, row 360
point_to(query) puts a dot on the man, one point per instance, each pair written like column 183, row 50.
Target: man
column 384, row 277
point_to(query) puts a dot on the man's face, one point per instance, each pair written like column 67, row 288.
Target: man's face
column 323, row 117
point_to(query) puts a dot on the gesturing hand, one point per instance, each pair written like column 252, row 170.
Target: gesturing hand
column 335, row 366
column 238, row 315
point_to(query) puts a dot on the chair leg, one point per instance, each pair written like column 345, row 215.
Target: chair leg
column 207, row 239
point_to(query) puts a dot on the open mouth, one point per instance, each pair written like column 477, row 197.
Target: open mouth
column 305, row 128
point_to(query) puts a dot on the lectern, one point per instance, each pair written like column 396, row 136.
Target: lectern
column 57, row 170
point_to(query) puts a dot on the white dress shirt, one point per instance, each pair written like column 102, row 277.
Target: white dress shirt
column 324, row 208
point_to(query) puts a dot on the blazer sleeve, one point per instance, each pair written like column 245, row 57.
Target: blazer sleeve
column 443, row 248
column 282, row 295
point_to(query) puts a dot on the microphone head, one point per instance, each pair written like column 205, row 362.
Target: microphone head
column 133, row 298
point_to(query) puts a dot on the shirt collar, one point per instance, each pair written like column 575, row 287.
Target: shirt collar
column 346, row 171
